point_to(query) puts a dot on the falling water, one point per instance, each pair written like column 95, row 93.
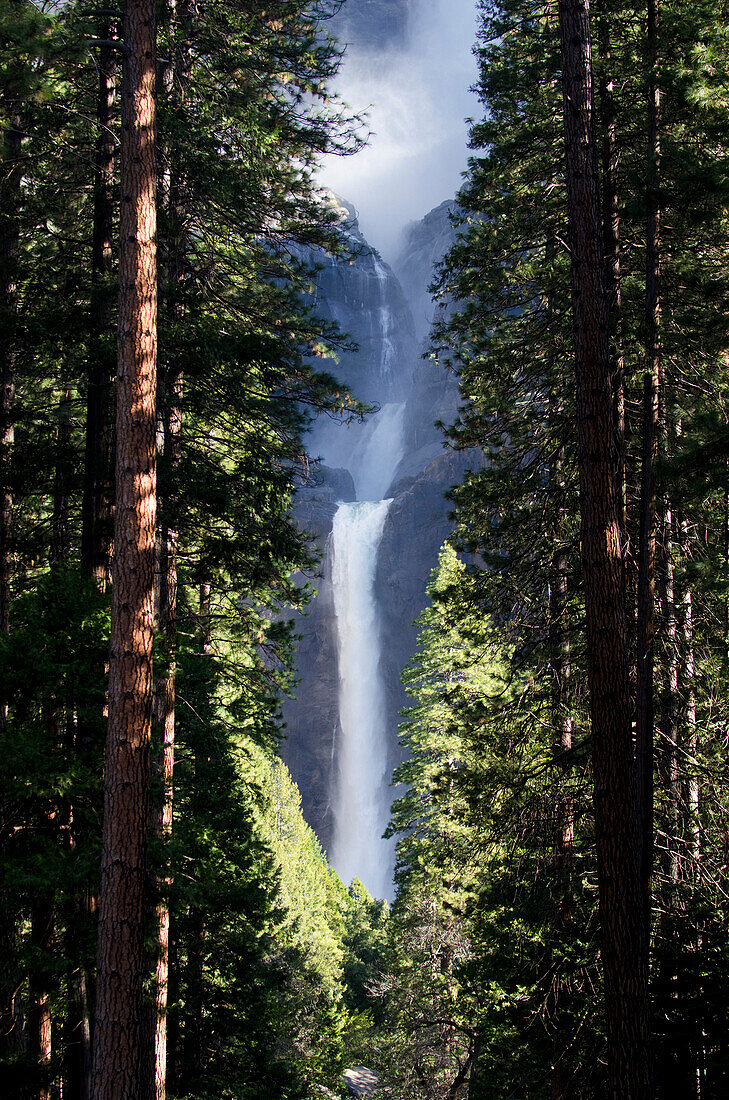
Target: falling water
column 361, row 803
column 378, row 453
column 361, row 797
column 387, row 354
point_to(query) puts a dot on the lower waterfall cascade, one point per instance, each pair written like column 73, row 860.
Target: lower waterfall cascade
column 360, row 795
column 360, row 804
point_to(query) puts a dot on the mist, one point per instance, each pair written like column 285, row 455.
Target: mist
column 416, row 99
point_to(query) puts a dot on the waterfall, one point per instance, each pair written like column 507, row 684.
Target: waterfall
column 387, row 354
column 379, row 452
column 361, row 803
column 361, row 794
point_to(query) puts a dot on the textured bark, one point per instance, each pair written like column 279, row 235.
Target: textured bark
column 624, row 966
column 97, row 508
column 117, row 1033
column 692, row 742
column 611, row 240
column 647, row 544
column 154, row 1083
column 669, row 695
column 174, row 78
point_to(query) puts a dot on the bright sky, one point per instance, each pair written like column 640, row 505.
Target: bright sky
column 419, row 98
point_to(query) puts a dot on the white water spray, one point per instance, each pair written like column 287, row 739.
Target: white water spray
column 361, row 803
column 387, row 355
column 379, row 452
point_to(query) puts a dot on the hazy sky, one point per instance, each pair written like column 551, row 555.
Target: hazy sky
column 418, row 99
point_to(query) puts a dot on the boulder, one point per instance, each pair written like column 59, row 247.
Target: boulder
column 360, row 1081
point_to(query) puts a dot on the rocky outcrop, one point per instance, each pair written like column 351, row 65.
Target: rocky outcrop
column 424, row 244
column 363, row 297
column 433, row 395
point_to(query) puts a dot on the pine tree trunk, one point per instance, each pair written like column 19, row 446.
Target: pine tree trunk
column 117, row 1033
column 175, row 76
column 192, row 1045
column 692, row 739
column 624, row 964
column 669, row 697
column 163, row 769
column 611, row 239
column 97, row 504
column 647, row 542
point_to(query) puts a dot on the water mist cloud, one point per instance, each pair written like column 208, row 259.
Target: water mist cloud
column 418, row 98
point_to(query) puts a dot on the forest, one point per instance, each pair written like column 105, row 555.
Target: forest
column 170, row 925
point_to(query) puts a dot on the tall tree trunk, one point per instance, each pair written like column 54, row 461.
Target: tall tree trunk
column 117, row 1033
column 97, row 504
column 163, row 767
column 624, row 964
column 647, row 543
column 192, row 1045
column 692, row 738
column 175, row 76
column 611, row 240
column 669, row 697
column 9, row 249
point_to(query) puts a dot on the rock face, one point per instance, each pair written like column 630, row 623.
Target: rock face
column 424, row 244
column 368, row 301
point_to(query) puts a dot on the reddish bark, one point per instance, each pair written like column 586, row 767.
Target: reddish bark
column 117, row 1035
